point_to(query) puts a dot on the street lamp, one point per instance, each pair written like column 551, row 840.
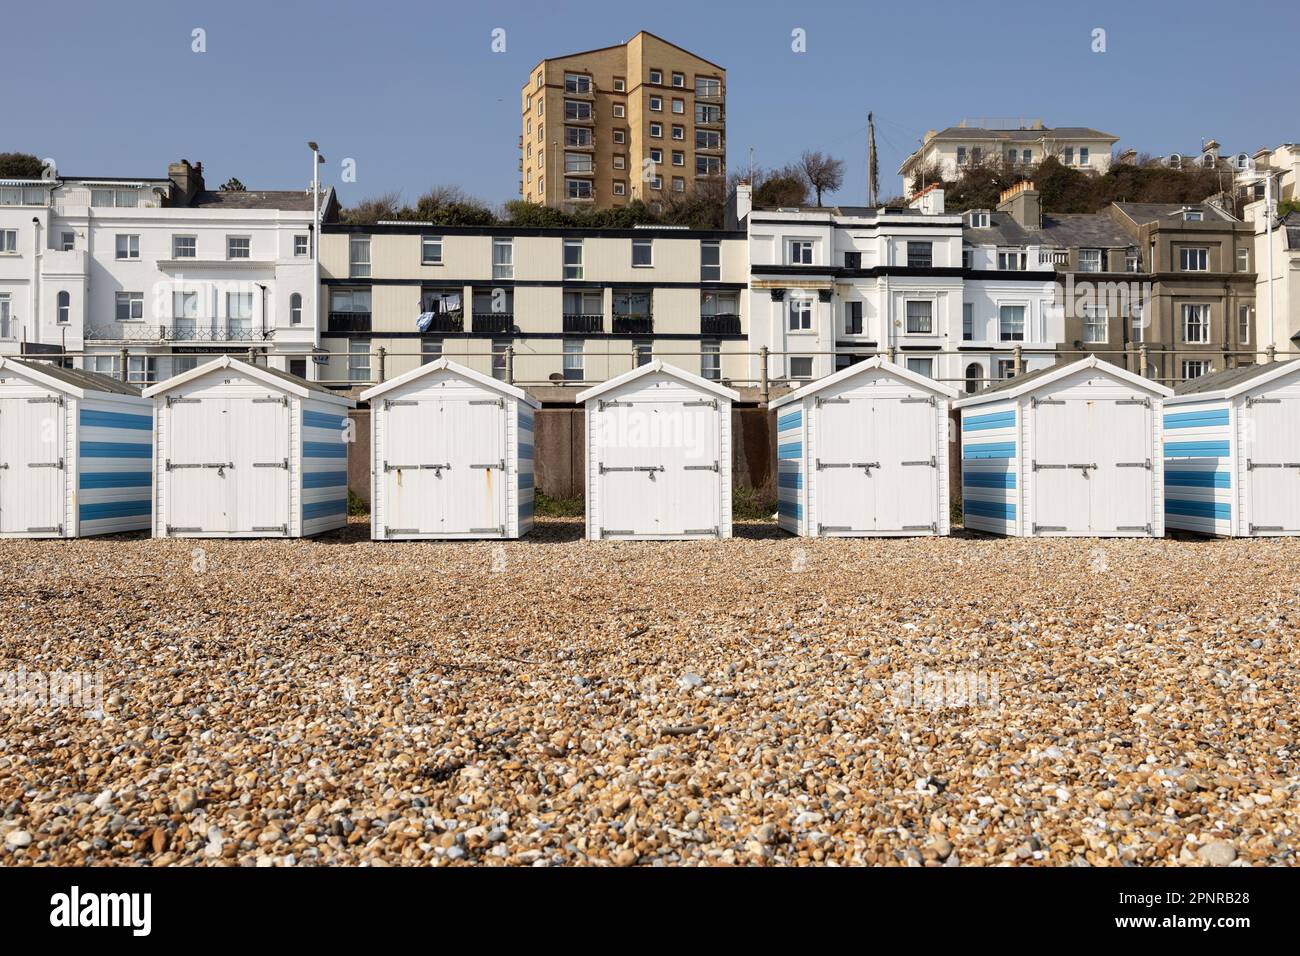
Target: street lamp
column 316, row 161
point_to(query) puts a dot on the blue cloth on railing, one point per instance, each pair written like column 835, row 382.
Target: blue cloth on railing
column 425, row 320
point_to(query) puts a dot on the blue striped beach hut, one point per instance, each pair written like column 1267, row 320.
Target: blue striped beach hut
column 75, row 452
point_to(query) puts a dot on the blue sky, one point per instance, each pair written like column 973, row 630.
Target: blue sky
column 414, row 94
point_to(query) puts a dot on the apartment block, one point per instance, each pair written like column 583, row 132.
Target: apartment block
column 642, row 120
column 147, row 277
column 1276, row 244
column 548, row 309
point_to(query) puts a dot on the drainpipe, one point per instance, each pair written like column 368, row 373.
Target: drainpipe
column 1268, row 244
column 34, row 323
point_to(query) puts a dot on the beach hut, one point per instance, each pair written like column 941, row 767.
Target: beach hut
column 74, row 452
column 243, row 451
column 451, row 455
column 1074, row 449
column 1232, row 452
column 864, row 452
column 658, row 455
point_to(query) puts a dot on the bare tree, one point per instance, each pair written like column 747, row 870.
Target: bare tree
column 823, row 173
column 374, row 208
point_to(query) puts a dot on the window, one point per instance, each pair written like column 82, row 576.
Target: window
column 359, row 257
column 238, row 247
column 1012, row 260
column 920, row 255
column 1096, row 323
column 967, row 257
column 719, row 303
column 853, row 318
column 853, row 260
column 9, row 241
column 620, row 188
column 642, row 252
column 656, row 130
column 679, row 132
column 1195, row 368
column 1006, row 368
column 656, row 156
column 577, row 110
column 974, row 377
column 6, row 316
column 679, row 184
column 619, row 136
column 498, row 302
column 1089, row 260
column 620, row 161
column 801, row 366
column 431, row 250
column 961, row 155
column 503, row 259
column 620, row 84
column 239, row 312
column 1245, row 313
column 679, row 158
column 1069, row 156
column 500, row 355
column 128, row 306
column 103, row 364
column 1196, row 324
column 577, row 136
column 705, row 113
column 1243, row 259
column 295, row 309
column 1011, row 323
column 708, row 165
column 351, row 300
column 430, row 350
column 967, row 322
column 128, row 247
column 800, row 310
column 976, row 155
column 590, row 304
column 641, row 351
column 23, row 196
column 184, row 247
column 1194, row 259
column 300, row 246
column 656, row 77
column 656, row 182
column 619, row 110
column 921, row 366
column 185, row 309
column 68, row 241
column 1193, row 215
column 799, row 252
column 1083, row 155
column 710, row 260
column 711, row 360
column 359, row 360
column 920, row 316
column 64, row 307
column 679, row 106
column 630, row 304
column 707, row 139
column 1026, row 156
column 573, row 369
column 708, row 86
column 1011, row 156
column 120, row 198
column 578, row 189
column 573, row 258
column 141, row 369
column 1132, row 261
column 577, row 83
column 679, row 80
column 656, row 104
column 979, row 220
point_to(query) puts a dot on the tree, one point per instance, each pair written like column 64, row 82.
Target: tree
column 823, row 173
column 21, row 166
column 779, row 187
column 232, row 185
column 374, row 208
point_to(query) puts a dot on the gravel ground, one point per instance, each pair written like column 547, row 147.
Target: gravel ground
column 766, row 700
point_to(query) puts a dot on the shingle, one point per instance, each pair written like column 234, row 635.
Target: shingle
column 79, row 378
column 297, row 200
column 1226, row 379
column 1084, row 229
column 1145, row 212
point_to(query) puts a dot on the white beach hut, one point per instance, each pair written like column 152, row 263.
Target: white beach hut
column 452, row 455
column 1232, row 452
column 243, row 451
column 1071, row 450
column 658, row 455
column 74, row 452
column 864, row 452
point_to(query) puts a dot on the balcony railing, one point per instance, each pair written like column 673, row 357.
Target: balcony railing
column 724, row 324
column 582, row 322
column 447, row 322
column 634, row 324
column 348, row 322
column 494, row 323
column 132, row 332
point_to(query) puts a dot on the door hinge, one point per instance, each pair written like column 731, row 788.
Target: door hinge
column 498, row 402
column 712, row 467
column 499, row 529
column 931, row 527
column 710, row 531
column 606, row 469
column 823, row 528
column 392, row 531
column 1134, row 464
column 1265, row 527
column 610, row 532
column 1144, row 402
column 1134, row 527
column 501, row 465
column 45, row 464
column 602, row 405
column 173, row 529
column 918, row 401
column 282, row 400
column 4, row 466
column 931, row 463
column 390, row 402
column 49, row 400
column 1035, row 402
column 437, row 469
column 272, row 464
column 171, row 400
column 1263, row 401
column 819, row 401
column 1047, row 527
column 58, row 529
column 282, row 528
column 710, row 402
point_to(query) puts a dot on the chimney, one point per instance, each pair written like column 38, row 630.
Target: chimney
column 929, row 201
column 739, row 205
column 187, row 179
column 1022, row 202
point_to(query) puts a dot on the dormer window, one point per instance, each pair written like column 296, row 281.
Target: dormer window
column 1193, row 215
column 979, row 219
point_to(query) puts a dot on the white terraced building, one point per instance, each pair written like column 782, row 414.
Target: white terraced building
column 833, row 286
column 161, row 270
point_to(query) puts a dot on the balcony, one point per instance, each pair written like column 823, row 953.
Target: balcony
column 724, row 324
column 494, row 323
column 348, row 322
column 447, row 322
column 583, row 322
column 634, row 324
column 185, row 332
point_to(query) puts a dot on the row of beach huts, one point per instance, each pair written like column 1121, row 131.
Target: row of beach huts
column 230, row 449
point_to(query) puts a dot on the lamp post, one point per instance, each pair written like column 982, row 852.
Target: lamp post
column 316, row 160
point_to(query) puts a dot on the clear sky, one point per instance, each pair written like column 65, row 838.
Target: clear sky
column 414, row 93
